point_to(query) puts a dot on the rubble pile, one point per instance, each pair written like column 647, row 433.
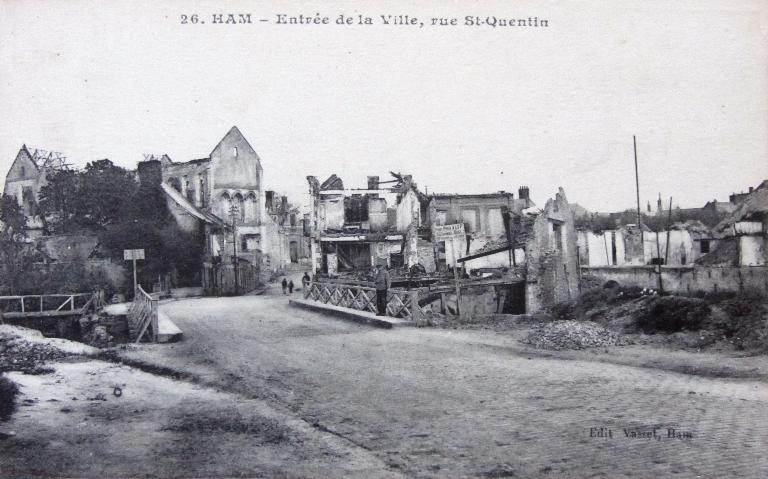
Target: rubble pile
column 573, row 335
column 26, row 350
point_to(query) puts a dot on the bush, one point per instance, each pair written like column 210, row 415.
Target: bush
column 8, row 392
column 670, row 314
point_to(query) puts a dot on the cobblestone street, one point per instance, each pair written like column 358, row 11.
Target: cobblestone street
column 441, row 403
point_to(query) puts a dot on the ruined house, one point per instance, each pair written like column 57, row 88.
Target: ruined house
column 352, row 230
column 513, row 257
column 626, row 246
column 483, row 217
column 26, row 176
column 742, row 238
column 224, row 195
column 543, row 270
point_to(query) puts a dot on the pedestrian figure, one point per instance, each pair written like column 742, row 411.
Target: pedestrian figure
column 305, row 280
column 285, row 285
column 382, row 281
column 290, row 287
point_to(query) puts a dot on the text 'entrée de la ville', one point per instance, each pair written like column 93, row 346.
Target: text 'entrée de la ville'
column 403, row 20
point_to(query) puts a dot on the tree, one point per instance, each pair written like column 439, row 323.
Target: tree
column 16, row 255
column 58, row 201
column 104, row 191
column 147, row 224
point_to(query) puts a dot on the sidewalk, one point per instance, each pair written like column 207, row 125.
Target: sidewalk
column 364, row 317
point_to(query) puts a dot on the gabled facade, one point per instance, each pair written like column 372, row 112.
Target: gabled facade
column 227, row 190
column 24, row 180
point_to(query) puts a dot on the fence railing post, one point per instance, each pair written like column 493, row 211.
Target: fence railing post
column 416, row 314
column 154, row 312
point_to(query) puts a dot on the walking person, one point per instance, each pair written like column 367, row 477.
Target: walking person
column 290, row 287
column 305, row 280
column 285, row 285
column 382, row 282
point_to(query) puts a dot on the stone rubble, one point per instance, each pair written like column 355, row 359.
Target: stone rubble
column 573, row 335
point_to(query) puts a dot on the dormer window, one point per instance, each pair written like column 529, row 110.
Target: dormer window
column 234, row 152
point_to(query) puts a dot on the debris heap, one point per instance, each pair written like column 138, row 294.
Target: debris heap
column 26, row 350
column 573, row 335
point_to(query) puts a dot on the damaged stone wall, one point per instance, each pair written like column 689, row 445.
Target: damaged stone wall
column 377, row 214
column 408, row 211
column 330, row 213
column 552, row 268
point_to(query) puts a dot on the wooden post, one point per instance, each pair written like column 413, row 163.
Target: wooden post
column 669, row 220
column 416, row 315
column 456, row 279
column 134, row 278
column 658, row 262
column 155, row 326
column 442, row 303
column 637, row 188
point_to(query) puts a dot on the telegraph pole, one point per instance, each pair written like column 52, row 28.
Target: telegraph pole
column 233, row 211
column 637, row 189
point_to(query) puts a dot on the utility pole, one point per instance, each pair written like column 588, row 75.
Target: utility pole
column 233, row 212
column 669, row 221
column 637, row 189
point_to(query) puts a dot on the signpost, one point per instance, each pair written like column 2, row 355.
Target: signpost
column 452, row 233
column 133, row 255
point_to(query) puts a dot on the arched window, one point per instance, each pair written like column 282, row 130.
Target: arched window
column 225, row 203
column 251, row 206
column 240, row 202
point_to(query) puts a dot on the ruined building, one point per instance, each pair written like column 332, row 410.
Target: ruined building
column 224, row 194
column 25, row 178
column 513, row 257
column 355, row 229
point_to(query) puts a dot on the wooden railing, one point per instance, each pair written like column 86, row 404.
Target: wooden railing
column 401, row 303
column 142, row 316
column 50, row 305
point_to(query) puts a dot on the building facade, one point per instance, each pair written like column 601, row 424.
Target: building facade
column 225, row 192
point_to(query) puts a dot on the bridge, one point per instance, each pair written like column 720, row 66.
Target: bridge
column 50, row 305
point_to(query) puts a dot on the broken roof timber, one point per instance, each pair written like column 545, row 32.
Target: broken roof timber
column 360, row 191
column 362, row 237
column 500, row 249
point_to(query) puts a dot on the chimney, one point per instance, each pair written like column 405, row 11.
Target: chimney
column 373, row 182
column 284, row 204
column 524, row 193
column 751, row 189
column 150, row 173
column 270, row 200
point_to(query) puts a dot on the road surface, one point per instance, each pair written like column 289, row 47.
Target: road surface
column 442, row 403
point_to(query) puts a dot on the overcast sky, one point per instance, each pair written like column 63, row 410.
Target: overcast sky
column 463, row 109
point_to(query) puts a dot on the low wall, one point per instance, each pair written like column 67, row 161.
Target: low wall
column 686, row 279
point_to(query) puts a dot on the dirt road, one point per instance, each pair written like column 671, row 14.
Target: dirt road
column 438, row 403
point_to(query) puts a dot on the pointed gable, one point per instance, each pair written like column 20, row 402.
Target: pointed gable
column 235, row 163
column 23, row 167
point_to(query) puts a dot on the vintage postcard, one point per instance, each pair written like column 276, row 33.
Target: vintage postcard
column 374, row 239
